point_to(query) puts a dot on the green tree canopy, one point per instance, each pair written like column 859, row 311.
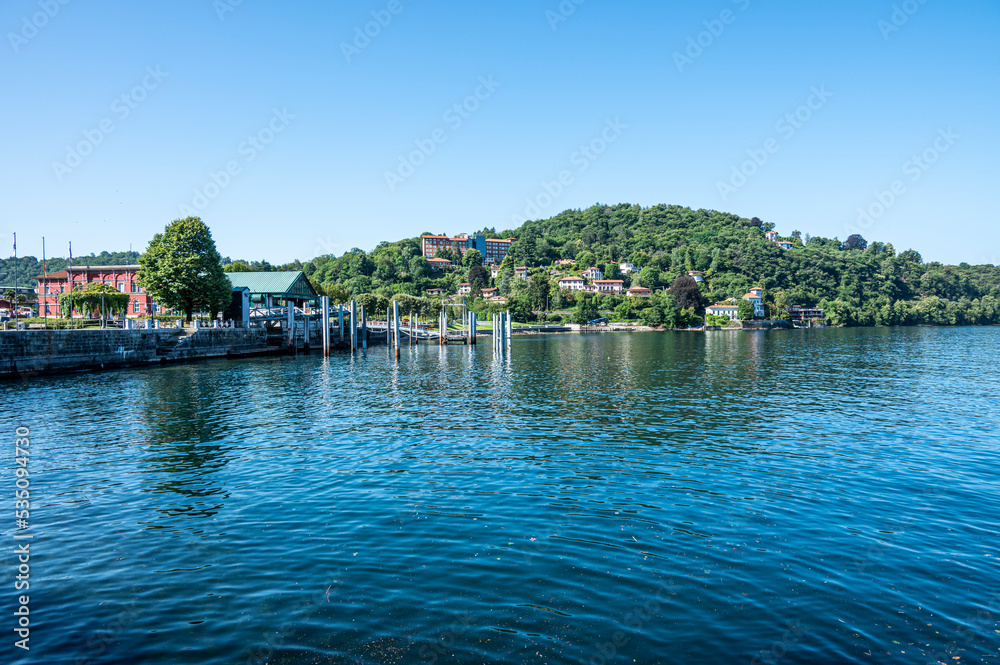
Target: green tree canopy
column 182, row 269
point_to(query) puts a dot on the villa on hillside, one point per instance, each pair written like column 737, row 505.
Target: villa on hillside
column 521, row 273
column 565, row 262
column 435, row 292
column 464, row 288
column 756, row 296
column 609, row 285
column 783, row 244
column 626, row 268
column 727, row 308
column 638, row 292
column 494, row 271
column 571, row 284
column 696, row 275
column 489, row 293
column 593, row 274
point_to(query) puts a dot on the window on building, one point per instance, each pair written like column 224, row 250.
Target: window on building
column 135, row 308
column 121, row 286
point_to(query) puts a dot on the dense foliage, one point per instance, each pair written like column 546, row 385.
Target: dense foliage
column 856, row 281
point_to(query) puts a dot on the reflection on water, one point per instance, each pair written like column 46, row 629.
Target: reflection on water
column 803, row 497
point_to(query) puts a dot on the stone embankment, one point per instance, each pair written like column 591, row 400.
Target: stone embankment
column 33, row 352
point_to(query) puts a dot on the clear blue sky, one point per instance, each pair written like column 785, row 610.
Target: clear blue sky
column 320, row 185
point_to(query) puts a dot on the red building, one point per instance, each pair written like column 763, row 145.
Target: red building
column 122, row 278
column 494, row 250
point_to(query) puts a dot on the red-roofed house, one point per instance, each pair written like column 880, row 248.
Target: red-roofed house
column 756, row 296
column 609, row 285
column 571, row 284
column 727, row 308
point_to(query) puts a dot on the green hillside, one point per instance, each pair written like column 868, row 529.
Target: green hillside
column 856, row 282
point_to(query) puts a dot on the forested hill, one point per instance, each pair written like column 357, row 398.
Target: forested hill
column 29, row 267
column 857, row 282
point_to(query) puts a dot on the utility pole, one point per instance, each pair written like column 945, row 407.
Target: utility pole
column 16, row 312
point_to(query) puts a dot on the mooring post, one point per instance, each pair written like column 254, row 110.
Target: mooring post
column 340, row 322
column 326, row 325
column 388, row 327
column 395, row 324
column 475, row 327
column 354, row 325
column 364, row 328
column 290, row 306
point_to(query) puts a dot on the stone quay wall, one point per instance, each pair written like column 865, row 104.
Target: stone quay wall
column 31, row 352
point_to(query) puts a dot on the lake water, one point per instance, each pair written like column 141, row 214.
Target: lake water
column 819, row 496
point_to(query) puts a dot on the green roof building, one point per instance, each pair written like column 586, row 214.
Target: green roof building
column 268, row 288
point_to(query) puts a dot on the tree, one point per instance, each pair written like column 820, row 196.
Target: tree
column 448, row 254
column 473, row 257
column 539, row 290
column 685, row 289
column 237, row 266
column 586, row 259
column 855, row 241
column 337, row 294
column 182, row 269
column 779, row 306
column 649, row 277
column 586, row 310
column 478, row 277
column 744, row 311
